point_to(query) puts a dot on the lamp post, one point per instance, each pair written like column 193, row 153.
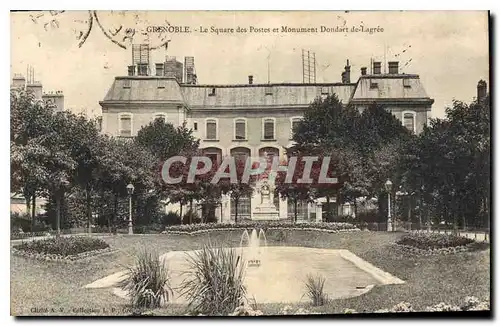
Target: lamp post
column 130, row 191
column 388, row 187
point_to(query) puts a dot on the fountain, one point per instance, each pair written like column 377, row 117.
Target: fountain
column 253, row 246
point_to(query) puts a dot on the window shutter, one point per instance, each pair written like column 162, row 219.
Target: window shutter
column 240, row 130
column 269, row 129
column 211, row 130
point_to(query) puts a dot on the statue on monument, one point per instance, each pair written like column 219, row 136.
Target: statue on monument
column 265, row 193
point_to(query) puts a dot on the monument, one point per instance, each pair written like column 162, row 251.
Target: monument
column 265, row 210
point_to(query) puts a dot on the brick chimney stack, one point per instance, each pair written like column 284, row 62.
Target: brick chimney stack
column 481, row 90
column 250, row 80
column 347, row 70
column 363, row 71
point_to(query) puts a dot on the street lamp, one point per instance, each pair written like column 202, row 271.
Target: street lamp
column 130, row 191
column 388, row 187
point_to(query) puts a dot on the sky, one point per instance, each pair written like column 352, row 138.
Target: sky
column 448, row 49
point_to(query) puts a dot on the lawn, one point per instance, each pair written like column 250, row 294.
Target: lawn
column 54, row 288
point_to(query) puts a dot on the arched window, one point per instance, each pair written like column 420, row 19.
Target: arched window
column 240, row 129
column 125, row 125
column 409, row 120
column 211, row 129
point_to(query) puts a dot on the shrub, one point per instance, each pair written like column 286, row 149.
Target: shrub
column 433, row 240
column 214, row 283
column 171, row 218
column 148, row 283
column 191, row 217
column 64, row 246
column 369, row 216
column 315, row 290
column 266, row 225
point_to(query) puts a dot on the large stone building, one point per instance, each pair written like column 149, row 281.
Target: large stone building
column 252, row 119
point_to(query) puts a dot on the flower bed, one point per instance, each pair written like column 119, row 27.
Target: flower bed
column 433, row 241
column 70, row 248
column 469, row 304
column 204, row 228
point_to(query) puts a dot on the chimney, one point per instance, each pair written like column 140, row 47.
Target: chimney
column 250, row 79
column 481, row 90
column 347, row 70
column 159, row 69
column 343, row 77
column 131, row 70
column 18, row 81
column 393, row 67
column 142, row 69
column 377, row 67
column 36, row 89
column 363, row 71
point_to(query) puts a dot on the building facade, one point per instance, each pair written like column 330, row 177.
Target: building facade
column 251, row 119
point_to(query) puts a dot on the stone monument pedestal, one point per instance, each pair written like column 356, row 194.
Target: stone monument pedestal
column 266, row 212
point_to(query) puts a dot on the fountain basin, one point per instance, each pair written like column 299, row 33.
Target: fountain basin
column 282, row 272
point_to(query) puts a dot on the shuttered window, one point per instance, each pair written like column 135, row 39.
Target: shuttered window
column 212, row 129
column 240, row 129
column 126, row 126
column 409, row 121
column 269, row 129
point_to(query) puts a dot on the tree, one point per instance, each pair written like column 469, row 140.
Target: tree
column 29, row 120
column 449, row 163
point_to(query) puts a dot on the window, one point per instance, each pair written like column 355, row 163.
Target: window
column 301, row 210
column 240, row 129
column 268, row 129
column 161, row 83
column 269, row 90
column 325, row 91
column 406, row 82
column 409, row 120
column 126, row 83
column 212, row 92
column 195, row 126
column 294, row 122
column 373, row 84
column 211, row 132
column 161, row 116
column 125, row 125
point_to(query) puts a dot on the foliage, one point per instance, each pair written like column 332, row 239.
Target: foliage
column 448, row 165
column 214, row 283
column 64, row 246
column 191, row 217
column 261, row 225
column 433, row 240
column 148, row 282
column 171, row 218
column 315, row 290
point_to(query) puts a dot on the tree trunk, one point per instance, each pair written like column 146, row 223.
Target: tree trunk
column 88, row 209
column 236, row 201
column 115, row 213
column 327, row 208
column 58, row 214
column 355, row 203
column 295, row 210
column 33, row 212
column 180, row 212
column 28, row 204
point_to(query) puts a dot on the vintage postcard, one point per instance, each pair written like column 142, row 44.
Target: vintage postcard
column 250, row 163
